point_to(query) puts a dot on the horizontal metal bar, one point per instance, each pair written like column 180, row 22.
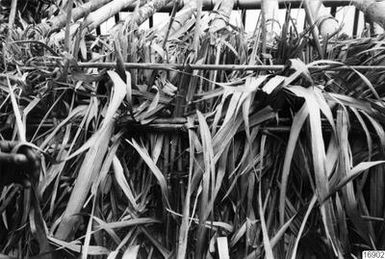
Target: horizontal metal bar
column 208, row 5
column 180, row 125
column 173, row 67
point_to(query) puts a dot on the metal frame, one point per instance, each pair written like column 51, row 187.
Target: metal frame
column 208, row 5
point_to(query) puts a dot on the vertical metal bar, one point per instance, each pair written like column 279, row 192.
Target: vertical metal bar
column 333, row 10
column 355, row 22
column 243, row 15
column 264, row 30
column 151, row 21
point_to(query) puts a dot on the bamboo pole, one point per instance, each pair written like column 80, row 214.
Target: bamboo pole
column 102, row 14
column 181, row 17
column 327, row 25
column 147, row 10
column 225, row 7
column 174, row 67
column 374, row 10
column 97, row 17
column 59, row 21
column 271, row 25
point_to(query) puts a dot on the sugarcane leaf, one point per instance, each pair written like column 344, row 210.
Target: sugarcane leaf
column 126, row 223
column 131, row 252
column 280, row 233
column 266, row 241
column 369, row 140
column 300, row 69
column 356, row 171
column 78, row 111
column 115, row 253
column 154, row 169
column 273, row 83
column 77, row 247
column 122, row 182
column 223, row 248
column 303, row 223
column 120, row 91
column 368, row 83
column 298, row 121
column 208, row 174
column 378, row 128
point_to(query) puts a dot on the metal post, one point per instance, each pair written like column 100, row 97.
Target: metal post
column 355, row 22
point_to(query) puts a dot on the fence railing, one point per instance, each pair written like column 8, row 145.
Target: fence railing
column 208, row 5
column 245, row 5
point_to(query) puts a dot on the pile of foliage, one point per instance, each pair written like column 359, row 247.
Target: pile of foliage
column 147, row 150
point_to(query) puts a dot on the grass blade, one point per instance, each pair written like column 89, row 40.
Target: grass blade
column 154, row 169
column 298, row 121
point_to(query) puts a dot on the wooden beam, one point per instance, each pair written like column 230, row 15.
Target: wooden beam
column 254, row 4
